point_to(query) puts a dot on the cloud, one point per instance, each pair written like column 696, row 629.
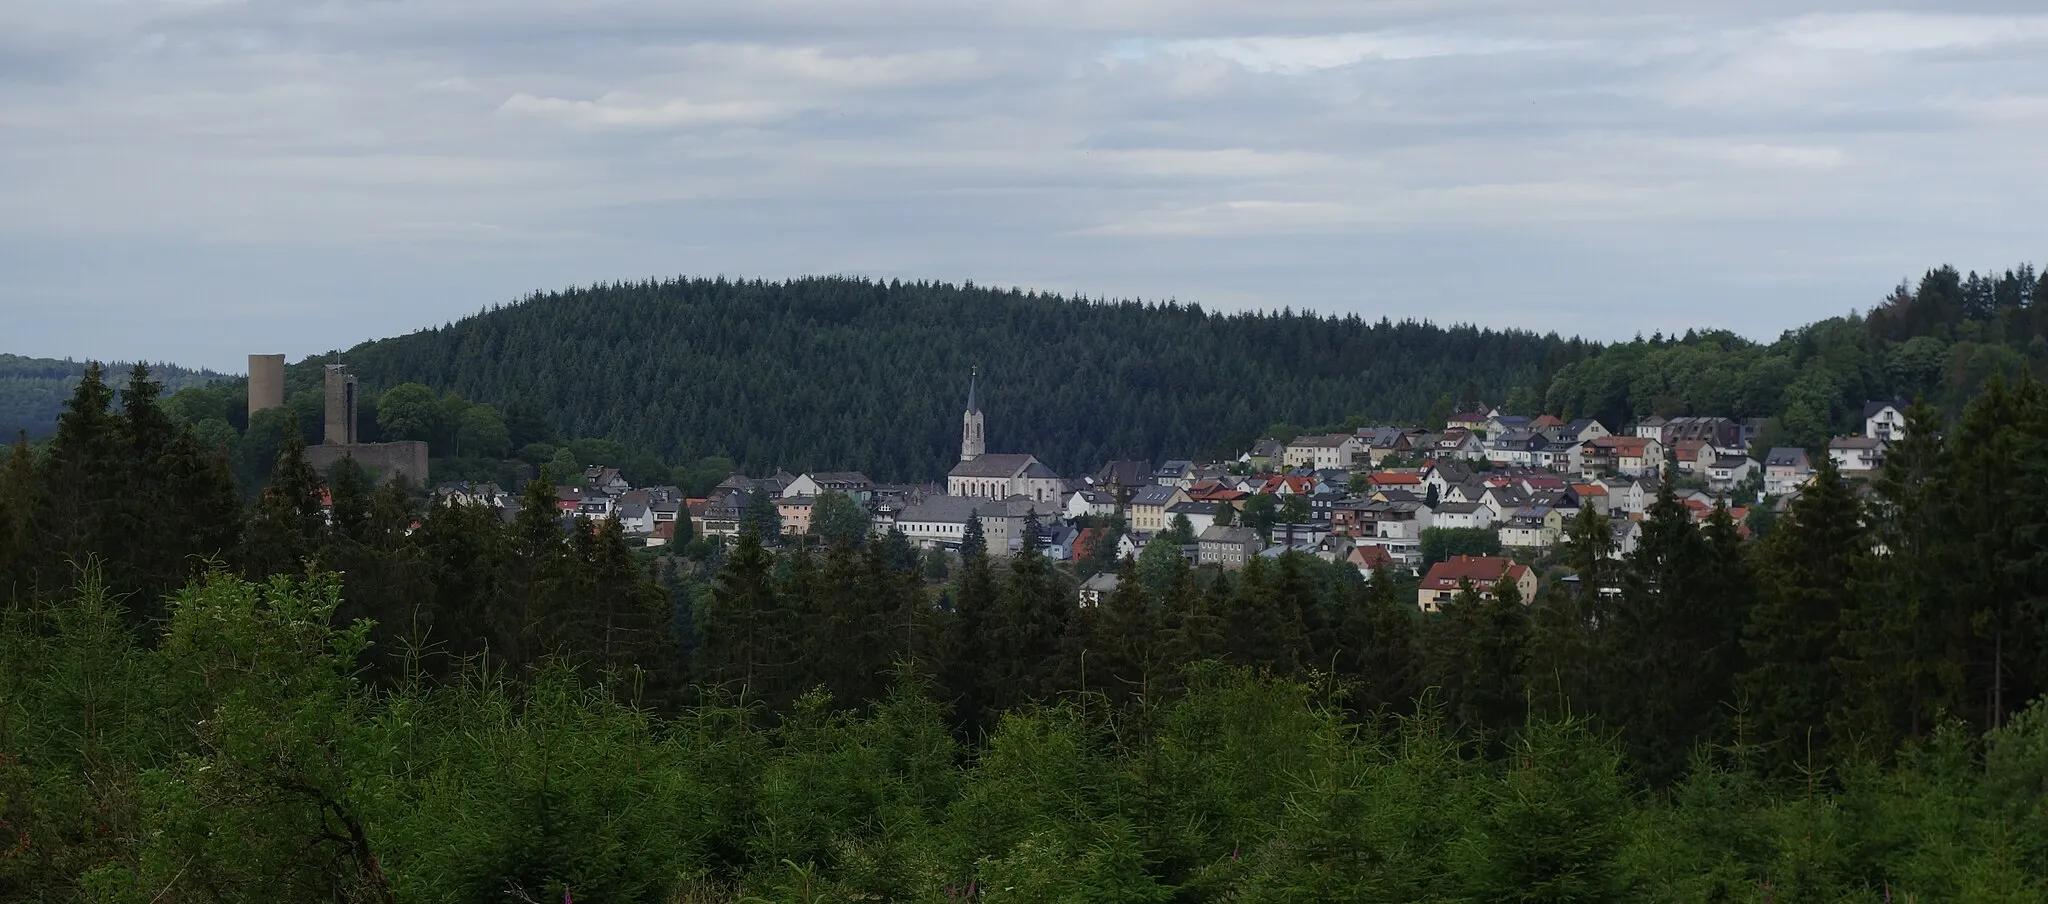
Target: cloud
column 414, row 161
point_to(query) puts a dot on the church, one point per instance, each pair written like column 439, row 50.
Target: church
column 996, row 475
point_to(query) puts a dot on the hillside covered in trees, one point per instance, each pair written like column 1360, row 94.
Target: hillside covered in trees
column 848, row 373
column 33, row 390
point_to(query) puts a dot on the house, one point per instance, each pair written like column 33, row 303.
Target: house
column 1884, row 421
column 795, row 512
column 941, row 522
column 1592, row 494
column 605, row 480
column 1786, row 469
column 1628, row 495
column 634, row 519
column 1367, row 559
column 1528, row 528
column 1448, row 578
column 1856, row 454
column 719, row 516
column 1334, row 548
column 1628, row 534
column 1130, row 544
column 1728, row 471
column 1147, row 509
column 1692, row 455
column 1176, row 473
column 1578, row 430
column 851, row 483
column 1201, row 515
column 1497, row 423
column 1264, row 454
column 1352, row 517
column 1459, row 444
column 1087, row 503
column 1228, row 547
column 1516, row 447
column 1397, row 480
column 1332, row 450
column 1380, row 442
column 1001, row 475
column 1718, row 432
column 1633, row 456
column 1472, row 421
column 1059, row 543
column 1098, row 588
column 1398, row 527
column 1651, row 427
column 1463, row 515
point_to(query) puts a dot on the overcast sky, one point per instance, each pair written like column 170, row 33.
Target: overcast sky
column 193, row 181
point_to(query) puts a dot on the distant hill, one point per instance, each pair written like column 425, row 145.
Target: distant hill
column 851, row 373
column 33, row 390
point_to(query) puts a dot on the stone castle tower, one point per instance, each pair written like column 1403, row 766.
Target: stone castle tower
column 972, row 443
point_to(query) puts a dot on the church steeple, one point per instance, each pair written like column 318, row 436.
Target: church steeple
column 972, row 443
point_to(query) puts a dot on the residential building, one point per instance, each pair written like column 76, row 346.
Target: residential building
column 1884, row 421
column 852, row 483
column 1176, row 473
column 1228, row 547
column 1123, row 478
column 1472, row 421
column 1728, row 471
column 1398, row 527
column 1528, row 528
column 1786, row 469
column 1087, row 503
column 1201, row 515
column 1650, row 427
column 1856, row 454
column 1633, row 456
column 1462, row 515
column 1498, row 423
column 795, row 512
column 1483, row 574
column 1333, row 450
column 1098, row 588
column 1147, row 509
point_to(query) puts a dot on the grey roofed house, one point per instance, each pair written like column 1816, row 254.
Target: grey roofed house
column 632, row 512
column 1125, row 473
column 1787, row 457
column 1230, row 534
column 1870, row 409
column 1000, row 465
column 1855, row 442
column 1268, row 448
column 1154, row 495
column 1457, row 508
column 1193, row 508
column 1175, row 469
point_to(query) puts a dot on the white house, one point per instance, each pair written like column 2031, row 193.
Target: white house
column 1201, row 515
column 1148, row 508
column 1090, row 502
column 1884, row 421
column 1856, row 453
column 1334, row 450
column 1786, row 469
column 941, row 521
column 1727, row 471
column 851, row 483
column 1463, row 514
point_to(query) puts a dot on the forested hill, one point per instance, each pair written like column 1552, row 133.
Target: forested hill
column 33, row 390
column 850, row 373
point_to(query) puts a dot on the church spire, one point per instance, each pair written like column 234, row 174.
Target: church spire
column 972, row 442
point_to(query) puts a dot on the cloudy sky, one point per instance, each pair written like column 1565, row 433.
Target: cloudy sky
column 194, row 180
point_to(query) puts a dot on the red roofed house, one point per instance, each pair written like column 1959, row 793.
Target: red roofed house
column 1367, row 558
column 1447, row 578
column 1592, row 494
column 1629, row 455
column 1693, row 455
column 1396, row 480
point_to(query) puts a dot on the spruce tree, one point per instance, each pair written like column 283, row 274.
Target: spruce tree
column 972, row 676
column 1262, row 623
column 1384, row 628
column 1125, row 656
column 740, row 650
column 286, row 527
column 1809, row 565
column 22, row 545
column 86, row 481
column 1034, row 606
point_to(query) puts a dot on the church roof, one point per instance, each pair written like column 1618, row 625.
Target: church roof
column 1004, row 465
column 973, row 392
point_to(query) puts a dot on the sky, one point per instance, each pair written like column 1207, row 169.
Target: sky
column 197, row 180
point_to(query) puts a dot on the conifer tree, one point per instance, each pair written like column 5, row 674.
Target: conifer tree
column 21, row 543
column 1263, row 626
column 1034, row 606
column 1384, row 628
column 1192, row 628
column 1810, row 563
column 972, row 541
column 1669, row 649
column 287, row 525
column 971, row 674
column 85, row 484
column 738, row 624
column 1125, row 655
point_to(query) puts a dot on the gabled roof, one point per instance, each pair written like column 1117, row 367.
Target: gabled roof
column 1154, row 495
column 1125, row 472
column 1321, row 441
column 1003, row 465
column 1870, row 409
column 1482, row 571
column 1855, row 442
column 1786, row 457
column 955, row 509
column 1230, row 534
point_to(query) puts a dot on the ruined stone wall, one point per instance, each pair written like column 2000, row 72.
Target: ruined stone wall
column 383, row 460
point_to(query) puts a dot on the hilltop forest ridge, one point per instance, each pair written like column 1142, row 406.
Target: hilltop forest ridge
column 848, row 372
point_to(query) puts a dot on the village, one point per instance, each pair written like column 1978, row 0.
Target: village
column 1370, row 498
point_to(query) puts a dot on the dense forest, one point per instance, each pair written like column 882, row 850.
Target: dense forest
column 33, row 390
column 340, row 695
column 848, row 373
